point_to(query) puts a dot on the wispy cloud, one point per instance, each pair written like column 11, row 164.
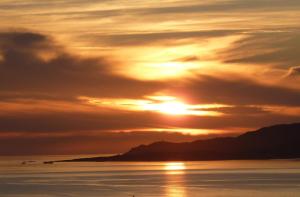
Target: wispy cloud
column 32, row 63
column 271, row 48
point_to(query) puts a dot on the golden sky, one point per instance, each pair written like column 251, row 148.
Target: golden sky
column 101, row 76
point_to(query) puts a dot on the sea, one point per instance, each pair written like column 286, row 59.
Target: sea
column 28, row 176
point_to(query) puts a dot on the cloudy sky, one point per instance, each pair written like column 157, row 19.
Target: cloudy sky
column 101, row 76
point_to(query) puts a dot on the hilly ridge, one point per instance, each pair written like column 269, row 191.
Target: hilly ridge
column 274, row 142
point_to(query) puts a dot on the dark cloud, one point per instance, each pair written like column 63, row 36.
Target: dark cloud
column 233, row 121
column 45, row 121
column 34, row 63
column 192, row 58
column 273, row 48
column 243, row 109
column 102, row 121
column 19, row 96
column 207, row 89
column 24, row 40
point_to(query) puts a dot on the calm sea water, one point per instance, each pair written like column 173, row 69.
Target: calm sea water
column 148, row 179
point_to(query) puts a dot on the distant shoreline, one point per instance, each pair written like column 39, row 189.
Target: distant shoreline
column 274, row 142
column 133, row 161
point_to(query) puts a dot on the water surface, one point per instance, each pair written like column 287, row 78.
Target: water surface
column 148, row 179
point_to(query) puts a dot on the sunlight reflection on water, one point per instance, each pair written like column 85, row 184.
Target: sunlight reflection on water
column 174, row 167
column 175, row 180
column 274, row 178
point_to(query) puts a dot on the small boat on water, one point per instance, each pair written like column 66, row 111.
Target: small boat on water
column 48, row 162
column 26, row 162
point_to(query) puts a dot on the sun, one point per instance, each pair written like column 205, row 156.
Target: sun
column 170, row 107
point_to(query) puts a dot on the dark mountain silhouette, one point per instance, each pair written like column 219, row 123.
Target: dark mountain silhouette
column 274, row 142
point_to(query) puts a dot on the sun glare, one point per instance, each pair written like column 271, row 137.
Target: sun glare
column 161, row 104
column 175, row 108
